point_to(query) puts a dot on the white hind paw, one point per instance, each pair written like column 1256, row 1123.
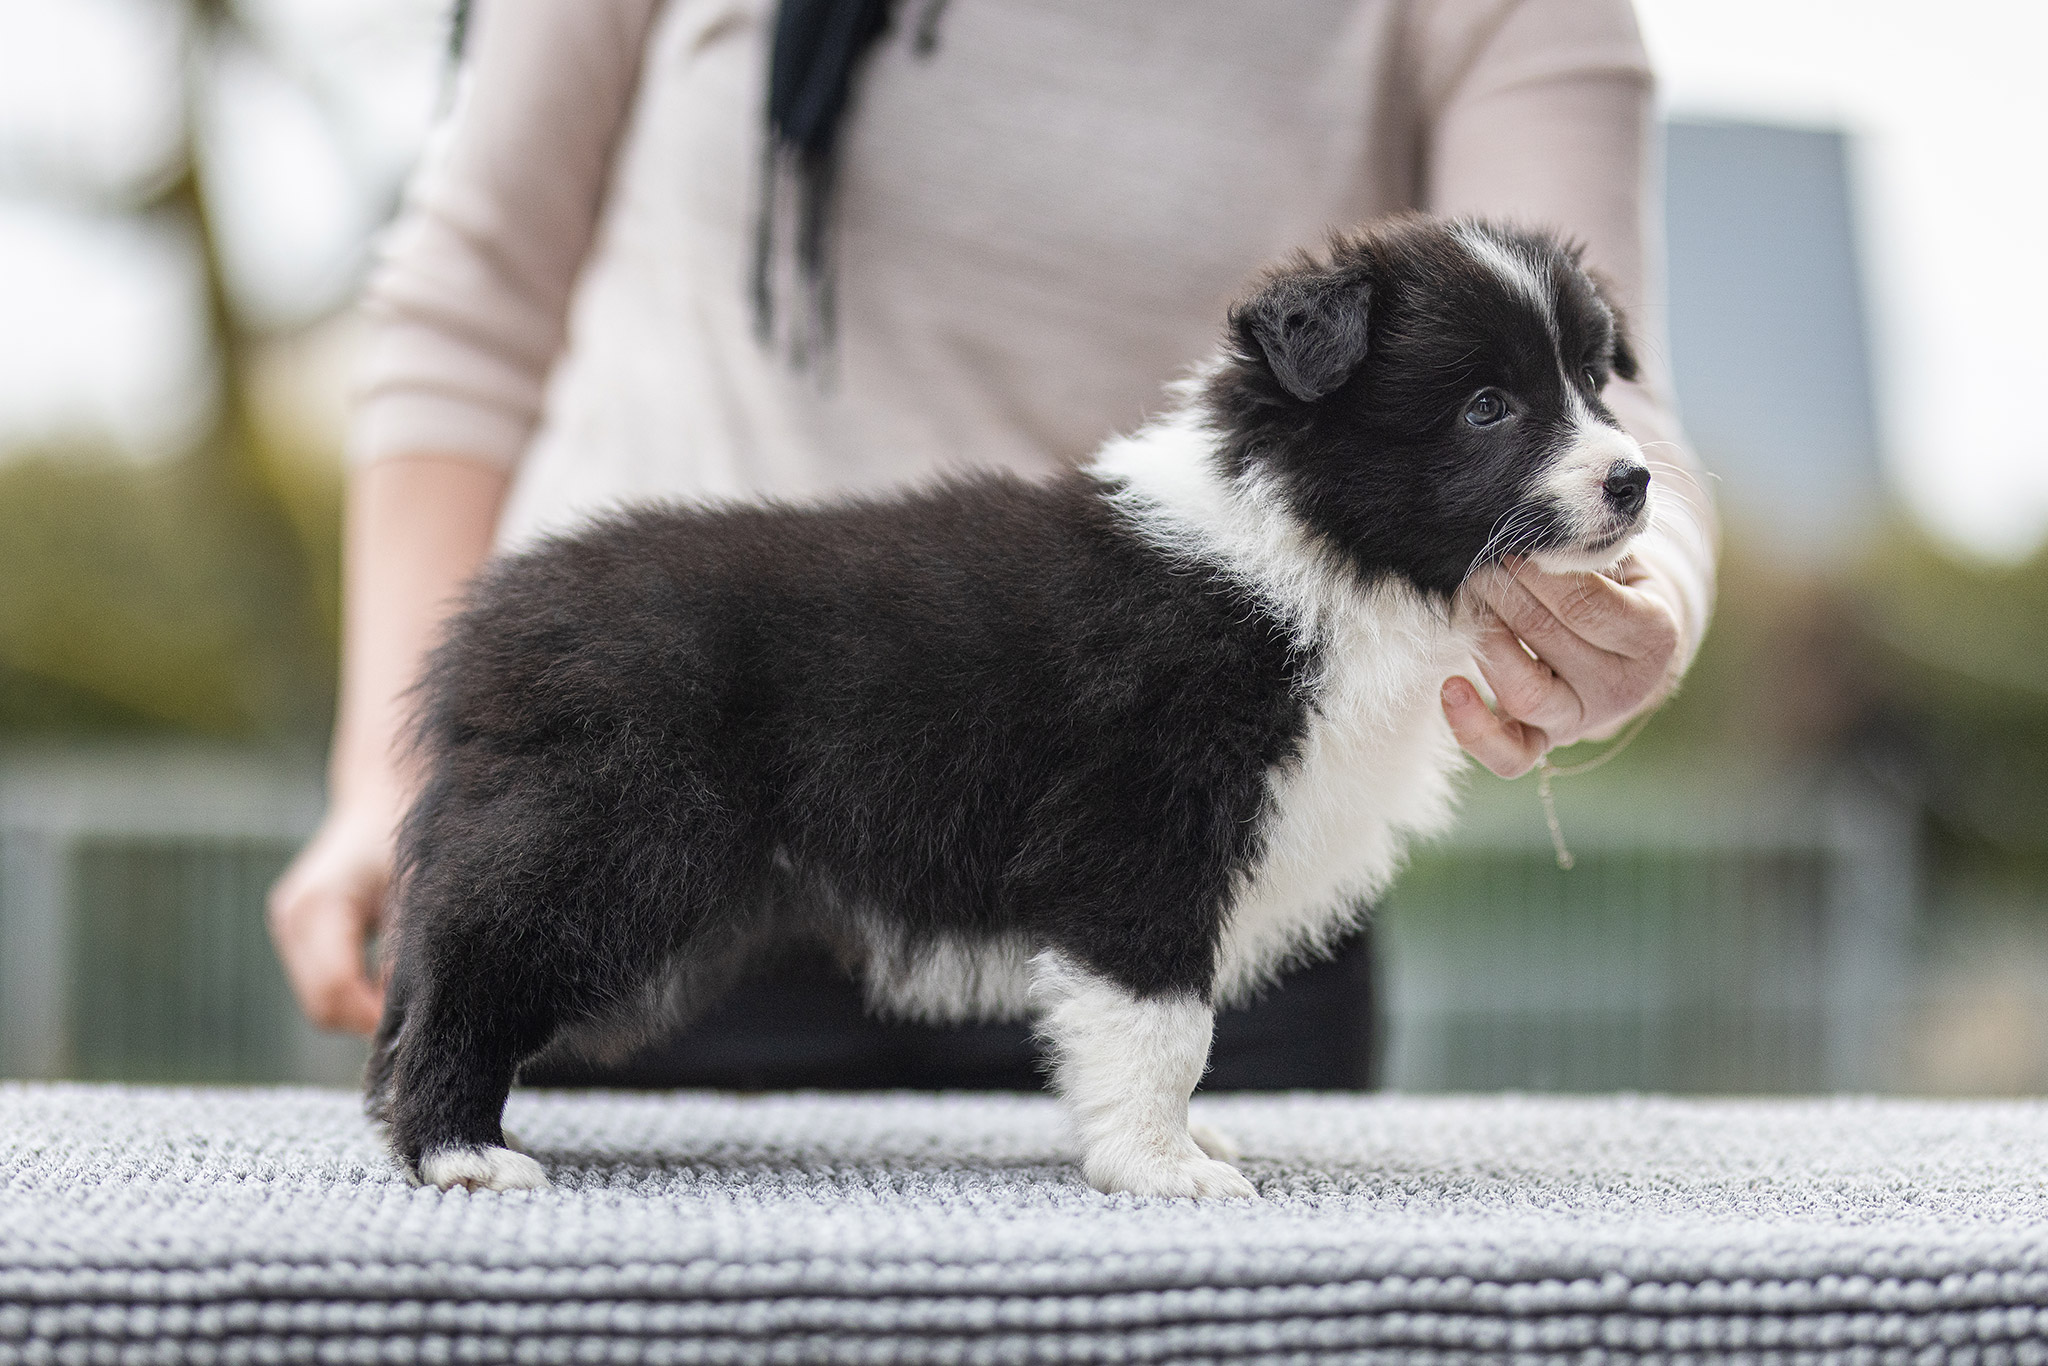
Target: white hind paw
column 481, row 1169
column 1188, row 1175
column 1215, row 1144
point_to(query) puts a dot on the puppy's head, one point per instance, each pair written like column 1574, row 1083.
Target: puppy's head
column 1427, row 397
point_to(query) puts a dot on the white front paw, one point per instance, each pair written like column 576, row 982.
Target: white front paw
column 486, row 1169
column 1185, row 1174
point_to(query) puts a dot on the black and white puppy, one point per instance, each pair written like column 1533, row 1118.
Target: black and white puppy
column 1110, row 750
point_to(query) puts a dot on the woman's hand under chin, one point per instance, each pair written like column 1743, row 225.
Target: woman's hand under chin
column 1598, row 652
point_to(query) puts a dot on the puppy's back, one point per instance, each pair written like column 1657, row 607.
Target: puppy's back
column 951, row 704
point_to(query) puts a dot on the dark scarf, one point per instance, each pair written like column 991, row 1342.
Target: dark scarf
column 810, row 75
column 817, row 45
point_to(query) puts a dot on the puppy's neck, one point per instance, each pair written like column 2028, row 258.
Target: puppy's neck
column 1169, row 482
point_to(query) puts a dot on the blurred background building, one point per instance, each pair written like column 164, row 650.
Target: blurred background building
column 1824, row 866
column 1768, row 329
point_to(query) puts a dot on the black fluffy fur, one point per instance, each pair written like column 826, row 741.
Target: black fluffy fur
column 984, row 709
column 991, row 709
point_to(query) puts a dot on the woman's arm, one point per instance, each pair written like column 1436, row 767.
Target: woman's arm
column 469, row 308
column 470, row 301
column 417, row 528
column 1540, row 112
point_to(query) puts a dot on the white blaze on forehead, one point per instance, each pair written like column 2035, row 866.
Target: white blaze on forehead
column 1511, row 268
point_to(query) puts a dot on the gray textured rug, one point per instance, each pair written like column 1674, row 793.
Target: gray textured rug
column 164, row 1225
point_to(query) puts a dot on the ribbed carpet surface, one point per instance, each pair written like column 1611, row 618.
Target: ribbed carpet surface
column 266, row 1225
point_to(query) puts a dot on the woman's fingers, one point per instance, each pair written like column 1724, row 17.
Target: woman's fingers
column 321, row 940
column 1525, row 688
column 322, row 913
column 1522, row 597
column 1505, row 745
column 1576, row 654
column 1608, row 616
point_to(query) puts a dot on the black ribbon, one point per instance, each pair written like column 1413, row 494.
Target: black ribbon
column 817, row 46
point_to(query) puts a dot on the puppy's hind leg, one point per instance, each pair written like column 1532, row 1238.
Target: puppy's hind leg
column 452, row 1036
column 449, row 1069
column 1126, row 1065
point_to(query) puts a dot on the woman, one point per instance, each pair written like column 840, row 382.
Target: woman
column 1027, row 220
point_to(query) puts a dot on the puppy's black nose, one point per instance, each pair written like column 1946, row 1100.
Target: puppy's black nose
column 1627, row 486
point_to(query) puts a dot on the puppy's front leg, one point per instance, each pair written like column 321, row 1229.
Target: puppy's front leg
column 1125, row 1065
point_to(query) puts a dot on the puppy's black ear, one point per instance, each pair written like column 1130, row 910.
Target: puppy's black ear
column 1311, row 328
column 1624, row 352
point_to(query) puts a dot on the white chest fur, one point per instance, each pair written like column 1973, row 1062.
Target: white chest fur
column 1375, row 771
column 1377, row 762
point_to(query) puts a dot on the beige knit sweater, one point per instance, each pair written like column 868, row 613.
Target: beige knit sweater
column 1039, row 224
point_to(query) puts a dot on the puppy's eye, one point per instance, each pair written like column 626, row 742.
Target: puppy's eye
column 1592, row 377
column 1486, row 408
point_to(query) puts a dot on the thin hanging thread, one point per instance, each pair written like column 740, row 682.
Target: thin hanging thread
column 1547, row 770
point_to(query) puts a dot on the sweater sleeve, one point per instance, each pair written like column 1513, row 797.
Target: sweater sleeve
column 1539, row 112
column 467, row 306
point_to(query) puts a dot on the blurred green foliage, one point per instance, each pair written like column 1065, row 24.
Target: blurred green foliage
column 1962, row 653
column 194, row 595
column 180, row 598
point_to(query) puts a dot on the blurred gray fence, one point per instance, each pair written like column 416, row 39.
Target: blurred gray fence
column 132, row 943
column 1719, row 933
column 1729, row 934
